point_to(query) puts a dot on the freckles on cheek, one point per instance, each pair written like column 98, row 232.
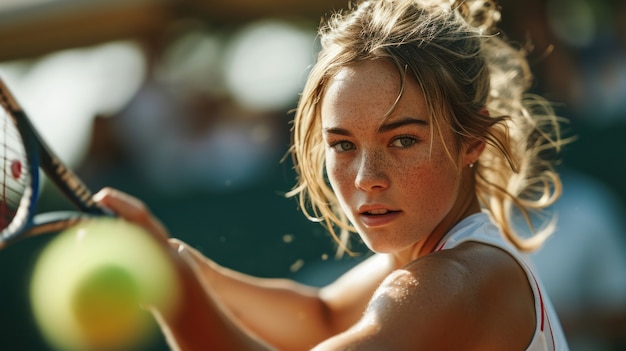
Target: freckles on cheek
column 340, row 184
column 335, row 175
column 433, row 188
column 331, row 170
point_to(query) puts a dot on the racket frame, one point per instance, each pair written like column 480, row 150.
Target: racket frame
column 40, row 156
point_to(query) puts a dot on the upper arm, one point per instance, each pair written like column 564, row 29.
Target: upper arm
column 347, row 297
column 443, row 301
column 411, row 310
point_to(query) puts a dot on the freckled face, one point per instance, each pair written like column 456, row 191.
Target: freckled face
column 394, row 181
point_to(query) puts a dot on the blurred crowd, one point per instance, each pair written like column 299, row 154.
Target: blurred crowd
column 196, row 123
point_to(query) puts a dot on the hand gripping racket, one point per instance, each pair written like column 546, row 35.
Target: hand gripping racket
column 22, row 153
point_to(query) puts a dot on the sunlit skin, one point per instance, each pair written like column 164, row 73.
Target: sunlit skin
column 402, row 298
column 393, row 177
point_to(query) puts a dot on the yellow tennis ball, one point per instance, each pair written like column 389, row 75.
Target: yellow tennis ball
column 90, row 283
column 105, row 307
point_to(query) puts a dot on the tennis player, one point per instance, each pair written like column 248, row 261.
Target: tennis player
column 414, row 130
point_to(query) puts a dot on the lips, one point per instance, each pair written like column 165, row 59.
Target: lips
column 381, row 211
column 377, row 216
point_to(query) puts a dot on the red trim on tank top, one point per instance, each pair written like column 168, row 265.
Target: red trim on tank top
column 441, row 246
column 543, row 312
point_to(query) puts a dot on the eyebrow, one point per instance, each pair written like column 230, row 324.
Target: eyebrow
column 385, row 127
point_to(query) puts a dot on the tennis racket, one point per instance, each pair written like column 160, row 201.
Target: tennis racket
column 22, row 153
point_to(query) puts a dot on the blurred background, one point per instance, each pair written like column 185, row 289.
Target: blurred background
column 186, row 105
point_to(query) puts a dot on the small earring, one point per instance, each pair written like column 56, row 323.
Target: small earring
column 471, row 165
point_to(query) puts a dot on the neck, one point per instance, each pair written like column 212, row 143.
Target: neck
column 466, row 205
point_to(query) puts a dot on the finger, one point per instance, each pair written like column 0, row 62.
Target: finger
column 187, row 251
column 204, row 266
column 132, row 210
column 119, row 202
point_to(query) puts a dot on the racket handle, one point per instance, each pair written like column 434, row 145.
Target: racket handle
column 57, row 221
column 54, row 222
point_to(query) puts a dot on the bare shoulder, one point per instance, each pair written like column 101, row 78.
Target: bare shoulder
column 473, row 297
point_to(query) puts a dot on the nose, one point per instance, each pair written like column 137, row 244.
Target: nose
column 372, row 173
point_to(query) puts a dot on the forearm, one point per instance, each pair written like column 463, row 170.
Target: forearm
column 288, row 315
column 199, row 322
column 284, row 313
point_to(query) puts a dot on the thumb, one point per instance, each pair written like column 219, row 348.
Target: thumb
column 133, row 210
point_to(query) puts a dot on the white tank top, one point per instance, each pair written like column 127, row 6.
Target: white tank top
column 479, row 227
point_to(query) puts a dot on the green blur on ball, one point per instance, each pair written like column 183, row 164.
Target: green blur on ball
column 90, row 284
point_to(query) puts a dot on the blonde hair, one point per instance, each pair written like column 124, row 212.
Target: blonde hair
column 465, row 68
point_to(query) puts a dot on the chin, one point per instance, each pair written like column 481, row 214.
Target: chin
column 381, row 244
column 382, row 247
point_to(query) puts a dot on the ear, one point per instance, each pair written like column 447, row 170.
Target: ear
column 472, row 151
column 474, row 147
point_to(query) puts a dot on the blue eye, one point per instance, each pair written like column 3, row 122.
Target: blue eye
column 342, row 146
column 403, row 141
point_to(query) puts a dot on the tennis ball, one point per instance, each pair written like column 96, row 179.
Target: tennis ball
column 89, row 285
column 105, row 307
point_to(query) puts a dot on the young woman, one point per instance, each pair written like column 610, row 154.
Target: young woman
column 414, row 131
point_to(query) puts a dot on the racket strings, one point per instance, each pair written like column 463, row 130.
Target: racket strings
column 15, row 174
